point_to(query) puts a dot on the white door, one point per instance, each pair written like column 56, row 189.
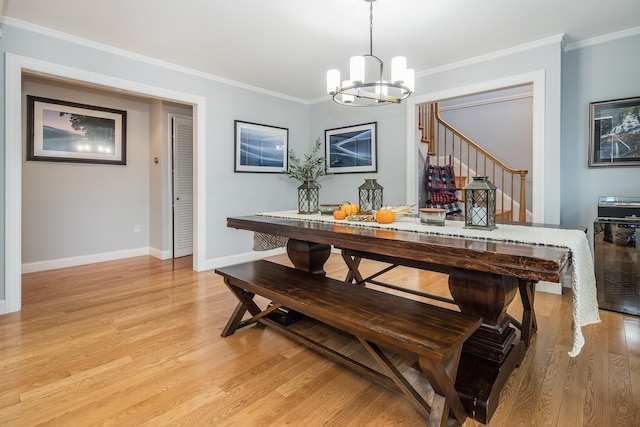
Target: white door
column 182, row 135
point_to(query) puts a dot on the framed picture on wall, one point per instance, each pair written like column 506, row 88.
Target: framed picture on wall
column 61, row 131
column 260, row 148
column 614, row 132
column 352, row 149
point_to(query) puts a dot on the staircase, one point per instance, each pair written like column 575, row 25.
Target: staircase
column 446, row 145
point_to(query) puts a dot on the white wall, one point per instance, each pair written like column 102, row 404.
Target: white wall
column 73, row 210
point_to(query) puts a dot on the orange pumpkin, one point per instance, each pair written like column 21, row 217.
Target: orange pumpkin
column 385, row 216
column 350, row 209
column 339, row 215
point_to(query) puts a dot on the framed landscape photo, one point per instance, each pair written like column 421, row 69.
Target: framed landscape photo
column 614, row 133
column 260, row 148
column 352, row 149
column 60, row 131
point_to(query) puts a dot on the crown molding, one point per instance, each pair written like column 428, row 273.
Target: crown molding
column 142, row 58
column 493, row 55
column 603, row 39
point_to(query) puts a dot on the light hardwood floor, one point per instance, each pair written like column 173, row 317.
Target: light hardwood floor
column 137, row 343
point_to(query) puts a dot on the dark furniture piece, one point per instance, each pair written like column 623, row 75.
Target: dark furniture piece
column 616, row 259
column 434, row 334
column 484, row 277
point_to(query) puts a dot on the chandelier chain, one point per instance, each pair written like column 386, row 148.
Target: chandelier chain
column 370, row 27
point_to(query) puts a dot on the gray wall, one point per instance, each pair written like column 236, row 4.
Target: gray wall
column 79, row 209
column 391, row 133
column 228, row 193
column 500, row 122
column 599, row 72
column 545, row 57
column 592, row 73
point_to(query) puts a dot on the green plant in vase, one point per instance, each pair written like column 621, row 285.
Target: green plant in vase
column 307, row 171
column 311, row 168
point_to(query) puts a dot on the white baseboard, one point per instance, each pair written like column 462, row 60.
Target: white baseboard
column 549, row 287
column 160, row 254
column 32, row 267
column 3, row 306
column 245, row 257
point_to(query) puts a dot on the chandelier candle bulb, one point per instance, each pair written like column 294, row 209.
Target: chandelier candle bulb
column 398, row 69
column 356, row 68
column 333, row 81
column 410, row 79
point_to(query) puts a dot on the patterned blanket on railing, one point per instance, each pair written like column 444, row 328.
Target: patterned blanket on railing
column 440, row 183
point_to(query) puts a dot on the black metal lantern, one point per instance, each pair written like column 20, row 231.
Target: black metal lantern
column 480, row 204
column 370, row 196
column 308, row 196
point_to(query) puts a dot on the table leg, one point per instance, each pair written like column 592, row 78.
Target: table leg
column 491, row 353
column 308, row 256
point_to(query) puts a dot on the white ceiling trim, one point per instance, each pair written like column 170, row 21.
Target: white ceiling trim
column 493, row 55
column 603, row 39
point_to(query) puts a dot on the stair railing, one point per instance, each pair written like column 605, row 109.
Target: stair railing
column 446, row 145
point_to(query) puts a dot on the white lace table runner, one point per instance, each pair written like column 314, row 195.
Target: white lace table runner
column 583, row 281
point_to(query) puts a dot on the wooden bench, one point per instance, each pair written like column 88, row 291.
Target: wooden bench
column 434, row 334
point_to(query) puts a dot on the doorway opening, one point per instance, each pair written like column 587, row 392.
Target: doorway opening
column 537, row 81
column 15, row 66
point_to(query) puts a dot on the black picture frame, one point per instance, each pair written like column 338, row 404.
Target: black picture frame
column 260, row 148
column 352, row 149
column 62, row 131
column 614, row 132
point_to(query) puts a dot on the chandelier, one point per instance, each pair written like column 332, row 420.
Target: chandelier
column 358, row 92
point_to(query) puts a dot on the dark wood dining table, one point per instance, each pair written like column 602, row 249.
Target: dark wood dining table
column 484, row 277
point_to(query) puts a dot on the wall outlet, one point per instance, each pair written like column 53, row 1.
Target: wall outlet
column 136, row 229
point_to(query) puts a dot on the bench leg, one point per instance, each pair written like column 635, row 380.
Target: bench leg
column 234, row 320
column 245, row 303
column 397, row 377
column 352, row 263
column 442, row 377
column 439, row 412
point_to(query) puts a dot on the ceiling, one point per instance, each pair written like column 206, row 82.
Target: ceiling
column 286, row 46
